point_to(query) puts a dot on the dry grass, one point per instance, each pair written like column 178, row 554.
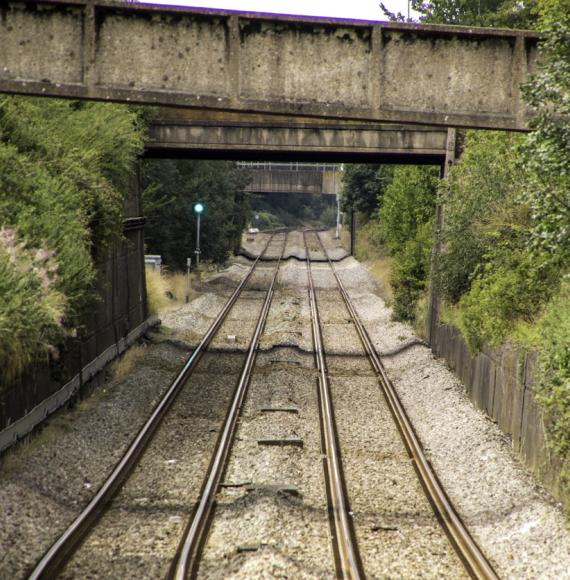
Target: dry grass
column 381, row 269
column 345, row 238
column 167, row 291
column 122, row 367
column 421, row 318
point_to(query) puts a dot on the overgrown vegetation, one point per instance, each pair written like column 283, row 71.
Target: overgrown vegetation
column 64, row 171
column 511, row 196
column 546, row 157
column 364, row 187
column 406, row 219
column 488, row 271
column 168, row 290
column 395, row 231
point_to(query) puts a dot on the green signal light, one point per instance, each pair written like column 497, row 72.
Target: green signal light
column 198, row 208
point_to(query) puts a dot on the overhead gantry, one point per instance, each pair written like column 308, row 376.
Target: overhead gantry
column 334, row 69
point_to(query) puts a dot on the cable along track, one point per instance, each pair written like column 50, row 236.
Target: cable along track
column 473, row 559
column 69, row 542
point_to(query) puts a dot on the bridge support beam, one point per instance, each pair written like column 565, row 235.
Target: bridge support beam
column 200, row 133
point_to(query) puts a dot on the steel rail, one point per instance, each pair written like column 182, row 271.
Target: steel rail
column 188, row 554
column 475, row 562
column 347, row 557
column 63, row 548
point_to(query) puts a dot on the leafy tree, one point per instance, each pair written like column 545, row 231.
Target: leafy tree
column 292, row 209
column 411, row 271
column 546, row 152
column 481, row 209
column 503, row 13
column 546, row 160
column 406, row 219
column 173, row 187
column 409, row 202
column 363, row 187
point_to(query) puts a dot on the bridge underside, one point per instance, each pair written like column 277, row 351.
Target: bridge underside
column 381, row 72
column 207, row 134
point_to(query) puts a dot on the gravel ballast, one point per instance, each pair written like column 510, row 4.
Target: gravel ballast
column 272, row 519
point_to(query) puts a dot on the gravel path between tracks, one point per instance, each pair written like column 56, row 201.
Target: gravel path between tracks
column 44, row 482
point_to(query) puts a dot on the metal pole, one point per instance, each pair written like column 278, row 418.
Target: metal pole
column 198, row 243
column 337, row 216
column 188, row 267
column 352, row 231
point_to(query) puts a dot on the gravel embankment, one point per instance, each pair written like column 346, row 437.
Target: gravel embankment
column 272, row 519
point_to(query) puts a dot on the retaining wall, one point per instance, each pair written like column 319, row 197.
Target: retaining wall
column 501, row 382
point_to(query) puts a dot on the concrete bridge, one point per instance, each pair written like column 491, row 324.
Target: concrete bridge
column 311, row 178
column 218, row 134
column 334, row 69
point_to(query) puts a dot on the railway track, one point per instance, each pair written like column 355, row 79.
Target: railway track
column 343, row 539
column 187, row 558
column 63, row 549
column 347, row 558
column 474, row 561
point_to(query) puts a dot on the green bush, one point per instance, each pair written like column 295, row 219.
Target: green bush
column 409, row 202
column 328, row 216
column 553, row 388
column 410, row 272
column 546, row 151
column 481, row 208
column 507, row 291
column 363, row 187
column 265, row 220
column 31, row 309
column 369, row 239
column 47, row 210
column 64, row 172
column 406, row 218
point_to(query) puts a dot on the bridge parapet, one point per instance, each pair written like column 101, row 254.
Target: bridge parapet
column 383, row 72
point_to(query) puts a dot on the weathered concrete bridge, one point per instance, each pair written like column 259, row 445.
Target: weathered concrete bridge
column 218, row 134
column 381, row 72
